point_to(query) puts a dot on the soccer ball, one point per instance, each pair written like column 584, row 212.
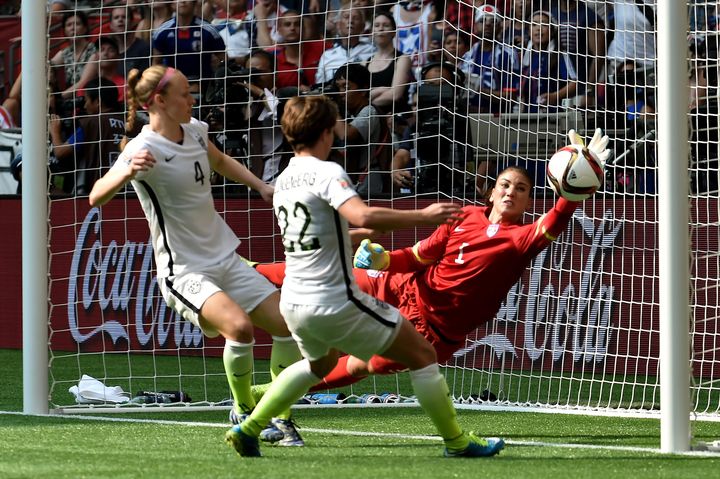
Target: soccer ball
column 574, row 173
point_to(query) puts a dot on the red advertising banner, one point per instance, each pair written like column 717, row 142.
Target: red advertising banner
column 589, row 302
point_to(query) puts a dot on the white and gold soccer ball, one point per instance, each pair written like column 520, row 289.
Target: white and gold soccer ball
column 574, row 173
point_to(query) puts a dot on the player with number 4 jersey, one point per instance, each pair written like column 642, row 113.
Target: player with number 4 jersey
column 199, row 273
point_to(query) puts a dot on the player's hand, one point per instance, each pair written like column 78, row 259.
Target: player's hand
column 371, row 256
column 142, row 160
column 597, row 146
column 440, row 213
column 402, row 178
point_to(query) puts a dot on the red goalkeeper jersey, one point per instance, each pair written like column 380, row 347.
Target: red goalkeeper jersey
column 473, row 265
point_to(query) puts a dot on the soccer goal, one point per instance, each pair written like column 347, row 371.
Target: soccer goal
column 584, row 328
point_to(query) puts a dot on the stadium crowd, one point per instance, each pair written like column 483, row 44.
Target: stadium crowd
column 406, row 75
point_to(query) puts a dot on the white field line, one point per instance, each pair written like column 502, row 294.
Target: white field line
column 343, row 432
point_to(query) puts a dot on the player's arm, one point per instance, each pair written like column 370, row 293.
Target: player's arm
column 550, row 225
column 123, row 171
column 359, row 214
column 229, row 168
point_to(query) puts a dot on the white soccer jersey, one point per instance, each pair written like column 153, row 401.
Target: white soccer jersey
column 315, row 236
column 187, row 232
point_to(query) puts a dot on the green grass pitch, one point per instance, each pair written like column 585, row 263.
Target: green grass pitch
column 341, row 442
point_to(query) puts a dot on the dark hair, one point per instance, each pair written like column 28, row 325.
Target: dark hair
column 306, row 118
column 355, row 73
column 75, row 13
column 104, row 89
column 389, row 16
column 259, row 52
column 108, row 41
column 521, row 170
column 457, row 75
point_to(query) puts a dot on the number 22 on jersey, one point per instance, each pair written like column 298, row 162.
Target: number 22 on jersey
column 300, row 213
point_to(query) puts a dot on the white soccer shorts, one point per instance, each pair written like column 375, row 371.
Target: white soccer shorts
column 362, row 326
column 187, row 292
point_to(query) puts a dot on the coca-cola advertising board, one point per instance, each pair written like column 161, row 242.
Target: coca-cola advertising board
column 589, row 302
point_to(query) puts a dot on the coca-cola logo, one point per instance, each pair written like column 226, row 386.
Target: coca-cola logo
column 119, row 281
column 575, row 319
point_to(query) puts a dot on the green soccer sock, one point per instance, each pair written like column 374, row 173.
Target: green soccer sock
column 284, row 353
column 287, row 388
column 238, row 361
column 259, row 390
column 434, row 396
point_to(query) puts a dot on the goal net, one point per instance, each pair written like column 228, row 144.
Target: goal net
column 439, row 98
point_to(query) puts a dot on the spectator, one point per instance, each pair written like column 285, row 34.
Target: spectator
column 108, row 66
column 548, row 76
column 188, row 43
column 634, row 34
column 361, row 131
column 79, row 51
column 268, row 151
column 10, row 109
column 436, row 146
column 235, row 27
column 390, row 72
column 56, row 6
column 704, row 114
column 153, row 17
column 515, row 25
column 297, row 59
column 134, row 51
column 264, row 17
column 414, row 28
column 460, row 14
column 455, row 45
column 581, row 34
column 491, row 65
column 351, row 46
column 123, row 52
column 95, row 144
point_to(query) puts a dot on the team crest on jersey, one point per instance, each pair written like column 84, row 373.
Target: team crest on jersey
column 194, row 286
column 492, row 230
column 343, row 183
column 201, row 141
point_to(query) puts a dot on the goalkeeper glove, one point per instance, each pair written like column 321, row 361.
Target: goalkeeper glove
column 597, row 146
column 371, row 256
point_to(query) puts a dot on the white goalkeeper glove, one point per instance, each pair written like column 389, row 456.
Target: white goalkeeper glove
column 371, row 256
column 597, row 146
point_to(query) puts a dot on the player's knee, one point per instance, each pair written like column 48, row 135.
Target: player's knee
column 238, row 329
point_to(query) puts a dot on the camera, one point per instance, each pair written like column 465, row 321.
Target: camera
column 228, row 110
column 68, row 109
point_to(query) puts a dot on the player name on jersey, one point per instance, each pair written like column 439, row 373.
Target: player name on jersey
column 295, row 181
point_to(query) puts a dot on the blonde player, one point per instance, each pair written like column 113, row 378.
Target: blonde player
column 199, row 274
column 323, row 307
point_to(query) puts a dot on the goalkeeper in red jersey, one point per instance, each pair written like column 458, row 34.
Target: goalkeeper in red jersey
column 454, row 281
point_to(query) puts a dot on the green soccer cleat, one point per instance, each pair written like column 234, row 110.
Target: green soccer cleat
column 246, row 446
column 478, row 447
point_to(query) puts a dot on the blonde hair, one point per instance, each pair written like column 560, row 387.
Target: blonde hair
column 139, row 90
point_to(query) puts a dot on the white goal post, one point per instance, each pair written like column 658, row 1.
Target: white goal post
column 601, row 323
